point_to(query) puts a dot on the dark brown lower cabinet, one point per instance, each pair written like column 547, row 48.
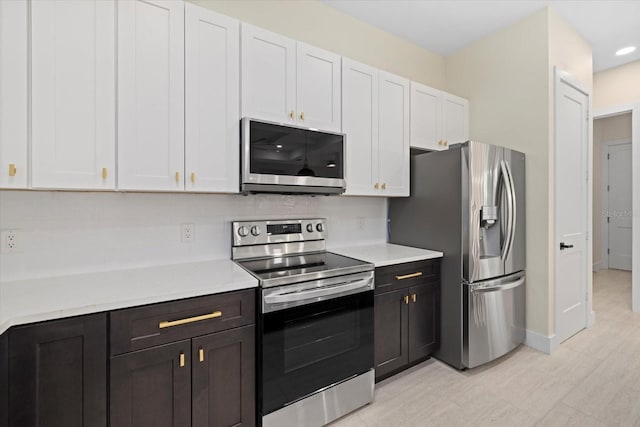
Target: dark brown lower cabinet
column 57, row 373
column 152, row 387
column 407, row 313
column 223, row 381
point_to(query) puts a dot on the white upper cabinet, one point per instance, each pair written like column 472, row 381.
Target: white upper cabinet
column 73, row 94
column 318, row 88
column 438, row 118
column 212, row 101
column 393, row 145
column 360, row 124
column 150, row 95
column 268, row 75
column 426, row 113
column 375, row 118
column 289, row 82
column 455, row 119
column 13, row 94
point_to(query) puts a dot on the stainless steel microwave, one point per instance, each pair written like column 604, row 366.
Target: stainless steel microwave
column 283, row 158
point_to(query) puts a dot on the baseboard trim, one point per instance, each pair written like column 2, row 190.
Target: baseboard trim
column 543, row 343
column 597, row 266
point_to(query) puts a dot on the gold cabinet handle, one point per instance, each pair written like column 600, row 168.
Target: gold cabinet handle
column 181, row 359
column 446, row 143
column 384, row 185
column 104, row 173
column 177, row 176
column 292, row 114
column 409, row 276
column 440, row 142
column 12, row 169
column 170, row 323
column 302, row 116
column 193, row 177
column 201, row 354
column 376, row 186
column 414, row 297
column 406, row 299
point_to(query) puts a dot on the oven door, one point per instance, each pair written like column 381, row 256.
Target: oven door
column 309, row 346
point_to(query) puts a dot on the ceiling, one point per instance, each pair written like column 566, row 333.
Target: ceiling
column 444, row 26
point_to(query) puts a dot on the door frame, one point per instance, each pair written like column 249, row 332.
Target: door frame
column 562, row 77
column 635, row 191
column 603, row 190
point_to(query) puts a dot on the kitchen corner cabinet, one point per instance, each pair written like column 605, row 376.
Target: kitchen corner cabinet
column 438, row 119
column 190, row 362
column 14, row 94
column 407, row 313
column 151, row 95
column 212, row 101
column 289, row 82
column 57, row 373
column 375, row 118
column 73, row 94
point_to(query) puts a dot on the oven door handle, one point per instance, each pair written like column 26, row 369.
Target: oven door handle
column 321, row 292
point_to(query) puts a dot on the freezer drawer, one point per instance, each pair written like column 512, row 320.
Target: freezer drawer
column 494, row 321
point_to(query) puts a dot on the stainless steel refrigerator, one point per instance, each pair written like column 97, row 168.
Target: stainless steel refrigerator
column 469, row 202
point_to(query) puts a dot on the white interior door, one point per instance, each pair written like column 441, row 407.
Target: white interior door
column 620, row 210
column 571, row 122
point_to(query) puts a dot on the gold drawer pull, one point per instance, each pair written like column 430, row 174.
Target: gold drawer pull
column 12, row 169
column 201, row 354
column 384, row 185
column 193, row 177
column 177, row 176
column 170, row 323
column 409, row 276
column 302, row 116
column 104, row 173
column 414, row 297
column 406, row 299
column 292, row 114
column 376, row 186
column 182, row 360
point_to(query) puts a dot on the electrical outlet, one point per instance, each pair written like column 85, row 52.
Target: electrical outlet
column 188, row 233
column 360, row 223
column 10, row 241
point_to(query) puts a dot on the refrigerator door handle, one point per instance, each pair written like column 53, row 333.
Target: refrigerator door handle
column 511, row 209
column 519, row 282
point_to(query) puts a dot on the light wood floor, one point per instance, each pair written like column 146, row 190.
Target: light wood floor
column 592, row 379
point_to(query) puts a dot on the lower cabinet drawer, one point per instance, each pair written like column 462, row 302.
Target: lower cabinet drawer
column 152, row 325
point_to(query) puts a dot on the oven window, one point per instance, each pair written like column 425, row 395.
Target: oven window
column 310, row 347
column 281, row 150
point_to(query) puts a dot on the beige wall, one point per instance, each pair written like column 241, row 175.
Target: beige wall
column 505, row 77
column 315, row 23
column 604, row 130
column 617, row 86
column 508, row 79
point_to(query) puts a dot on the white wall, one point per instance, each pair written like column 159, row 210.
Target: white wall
column 607, row 129
column 74, row 232
column 617, row 86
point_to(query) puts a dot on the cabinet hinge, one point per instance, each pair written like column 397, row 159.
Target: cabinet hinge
column 608, row 251
column 608, row 188
column 608, row 156
column 608, row 220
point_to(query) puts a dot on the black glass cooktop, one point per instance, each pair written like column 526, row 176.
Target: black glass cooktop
column 298, row 268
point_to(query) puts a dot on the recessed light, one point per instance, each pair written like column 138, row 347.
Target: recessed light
column 626, row 50
column 279, row 146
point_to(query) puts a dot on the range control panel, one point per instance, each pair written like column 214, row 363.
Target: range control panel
column 246, row 233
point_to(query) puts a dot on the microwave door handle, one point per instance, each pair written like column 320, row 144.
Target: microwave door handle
column 315, row 293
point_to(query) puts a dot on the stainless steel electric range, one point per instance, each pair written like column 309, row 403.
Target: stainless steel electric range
column 315, row 344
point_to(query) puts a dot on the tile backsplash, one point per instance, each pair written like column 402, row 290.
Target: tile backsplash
column 76, row 232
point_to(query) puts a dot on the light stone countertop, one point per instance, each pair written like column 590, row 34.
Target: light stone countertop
column 382, row 254
column 35, row 300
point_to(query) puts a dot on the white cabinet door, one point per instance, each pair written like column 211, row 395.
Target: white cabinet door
column 150, row 95
column 318, row 88
column 212, row 101
column 426, row 117
column 360, row 124
column 268, row 75
column 393, row 146
column 73, row 94
column 455, row 119
column 13, row 94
